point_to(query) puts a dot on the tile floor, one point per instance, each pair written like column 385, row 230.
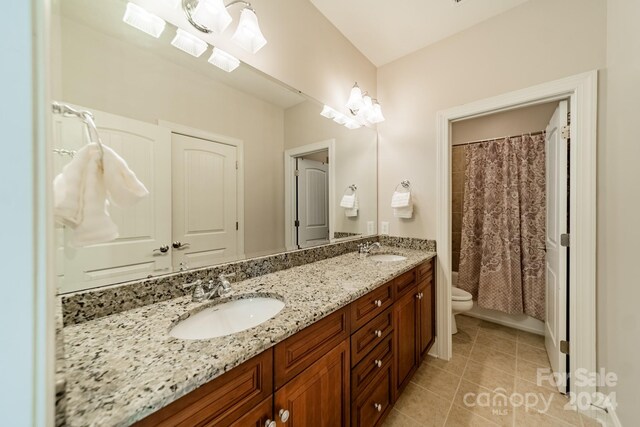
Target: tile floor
column 489, row 361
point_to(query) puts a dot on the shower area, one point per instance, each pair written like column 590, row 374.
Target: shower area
column 499, row 215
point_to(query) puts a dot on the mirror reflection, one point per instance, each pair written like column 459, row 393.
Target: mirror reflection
column 237, row 164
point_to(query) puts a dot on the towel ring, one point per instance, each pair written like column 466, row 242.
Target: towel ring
column 405, row 184
column 84, row 115
column 352, row 187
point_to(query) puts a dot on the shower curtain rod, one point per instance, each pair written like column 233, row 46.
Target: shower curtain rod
column 502, row 137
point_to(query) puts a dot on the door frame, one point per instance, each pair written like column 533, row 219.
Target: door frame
column 581, row 91
column 289, row 187
column 226, row 140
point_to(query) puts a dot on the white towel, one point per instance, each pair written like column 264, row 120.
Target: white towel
column 352, row 212
column 348, row 200
column 401, row 199
column 81, row 191
column 404, row 212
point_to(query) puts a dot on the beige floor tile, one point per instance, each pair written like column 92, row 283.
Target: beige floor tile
column 589, row 422
column 396, row 419
column 534, row 418
column 533, row 340
column 532, row 354
column 462, row 320
column 455, row 365
column 547, row 401
column 461, row 346
column 501, row 344
column 423, row 405
column 493, row 358
column 460, row 417
column 499, row 330
column 441, row 382
column 466, row 333
column 534, row 373
column 488, row 377
column 482, row 402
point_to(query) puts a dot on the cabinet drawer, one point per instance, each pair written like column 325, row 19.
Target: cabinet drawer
column 222, row 400
column 258, row 416
column 378, row 360
column 371, row 305
column 404, row 282
column 374, row 403
column 370, row 335
column 424, row 270
column 301, row 350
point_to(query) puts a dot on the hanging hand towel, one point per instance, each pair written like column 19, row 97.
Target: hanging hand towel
column 348, row 201
column 352, row 212
column 404, row 212
column 401, row 199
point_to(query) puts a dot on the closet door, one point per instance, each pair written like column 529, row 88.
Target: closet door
column 143, row 228
column 205, row 211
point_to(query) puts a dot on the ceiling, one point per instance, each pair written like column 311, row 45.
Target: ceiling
column 385, row 30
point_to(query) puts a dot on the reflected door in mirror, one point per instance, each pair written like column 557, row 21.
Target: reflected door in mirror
column 312, row 202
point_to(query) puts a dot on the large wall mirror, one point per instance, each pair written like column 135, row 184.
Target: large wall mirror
column 237, row 164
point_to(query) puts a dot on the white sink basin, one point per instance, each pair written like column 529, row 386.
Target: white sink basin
column 227, row 318
column 387, row 257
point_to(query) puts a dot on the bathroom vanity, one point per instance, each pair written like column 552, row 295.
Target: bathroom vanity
column 341, row 351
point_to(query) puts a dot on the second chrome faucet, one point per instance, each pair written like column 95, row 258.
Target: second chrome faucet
column 202, row 291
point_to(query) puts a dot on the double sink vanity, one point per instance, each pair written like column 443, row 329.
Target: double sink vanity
column 331, row 342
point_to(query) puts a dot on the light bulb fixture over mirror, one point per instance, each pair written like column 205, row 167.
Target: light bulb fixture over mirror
column 365, row 109
column 211, row 16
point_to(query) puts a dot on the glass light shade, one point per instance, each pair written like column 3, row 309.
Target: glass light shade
column 144, row 21
column 355, row 101
column 224, row 60
column 376, row 115
column 352, row 124
column 248, row 35
column 173, row 3
column 340, row 118
column 189, row 43
column 328, row 112
column 212, row 14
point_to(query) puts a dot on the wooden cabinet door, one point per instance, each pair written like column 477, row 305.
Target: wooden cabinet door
column 406, row 334
column 319, row 395
column 259, row 416
column 425, row 326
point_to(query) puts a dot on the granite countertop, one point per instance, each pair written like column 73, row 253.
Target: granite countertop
column 125, row 366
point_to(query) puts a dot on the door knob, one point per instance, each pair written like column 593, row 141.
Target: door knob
column 284, row 415
column 178, row 244
column 163, row 249
column 270, row 423
column 378, row 407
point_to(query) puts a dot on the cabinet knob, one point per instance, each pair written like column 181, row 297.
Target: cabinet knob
column 378, row 407
column 378, row 363
column 378, row 333
column 378, row 303
column 270, row 423
column 284, row 415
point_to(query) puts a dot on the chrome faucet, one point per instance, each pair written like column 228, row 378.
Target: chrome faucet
column 365, row 248
column 203, row 292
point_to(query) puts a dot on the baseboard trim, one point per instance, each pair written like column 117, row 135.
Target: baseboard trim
column 612, row 418
column 528, row 324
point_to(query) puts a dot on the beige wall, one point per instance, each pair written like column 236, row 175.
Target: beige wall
column 522, row 47
column 355, row 160
column 101, row 72
column 618, row 204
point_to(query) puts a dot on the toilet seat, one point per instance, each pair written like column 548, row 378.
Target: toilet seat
column 458, row 294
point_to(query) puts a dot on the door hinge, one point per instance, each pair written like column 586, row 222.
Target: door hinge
column 566, row 132
column 564, row 240
column 237, row 225
column 297, row 172
column 564, row 347
column 296, row 223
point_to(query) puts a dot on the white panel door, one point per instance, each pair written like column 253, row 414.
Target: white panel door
column 144, row 227
column 313, row 203
column 556, row 263
column 205, row 204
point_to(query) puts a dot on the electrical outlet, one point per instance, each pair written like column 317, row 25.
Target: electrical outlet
column 384, row 228
column 370, row 228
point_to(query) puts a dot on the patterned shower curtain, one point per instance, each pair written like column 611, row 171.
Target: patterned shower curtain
column 502, row 256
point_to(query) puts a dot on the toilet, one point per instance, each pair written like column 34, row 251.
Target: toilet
column 460, row 301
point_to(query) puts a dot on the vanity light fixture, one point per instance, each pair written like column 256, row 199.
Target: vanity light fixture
column 224, row 60
column 144, row 21
column 328, row 112
column 363, row 107
column 173, row 3
column 211, row 16
column 189, row 43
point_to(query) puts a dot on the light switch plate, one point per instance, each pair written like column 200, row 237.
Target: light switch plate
column 384, row 228
column 370, row 228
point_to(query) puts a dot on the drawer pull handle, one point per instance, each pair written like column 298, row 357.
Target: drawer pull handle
column 284, row 415
column 378, row 333
column 378, row 363
column 378, row 303
column 378, row 407
column 420, row 295
column 270, row 423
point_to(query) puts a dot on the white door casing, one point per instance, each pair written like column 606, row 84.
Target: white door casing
column 143, row 227
column 204, row 194
column 556, row 258
column 313, row 202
